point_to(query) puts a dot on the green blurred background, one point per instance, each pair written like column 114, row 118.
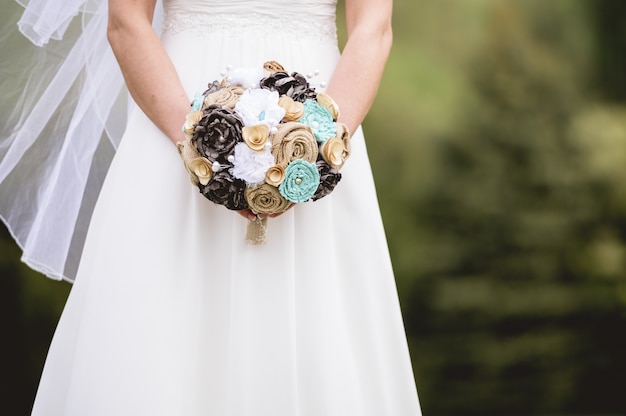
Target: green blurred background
column 498, row 143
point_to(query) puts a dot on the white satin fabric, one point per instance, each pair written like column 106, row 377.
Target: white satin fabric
column 172, row 313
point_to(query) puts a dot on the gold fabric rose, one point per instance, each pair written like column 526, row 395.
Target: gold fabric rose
column 201, row 167
column 294, row 110
column 329, row 104
column 275, row 175
column 266, row 199
column 294, row 141
column 225, row 97
column 256, row 136
column 334, row 152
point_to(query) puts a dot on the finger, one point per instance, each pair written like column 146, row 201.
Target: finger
column 247, row 214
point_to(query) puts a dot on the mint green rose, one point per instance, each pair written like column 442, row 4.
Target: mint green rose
column 319, row 120
column 301, row 181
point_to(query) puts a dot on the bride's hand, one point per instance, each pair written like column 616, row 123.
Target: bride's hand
column 247, row 214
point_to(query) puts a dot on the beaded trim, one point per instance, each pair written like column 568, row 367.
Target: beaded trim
column 321, row 29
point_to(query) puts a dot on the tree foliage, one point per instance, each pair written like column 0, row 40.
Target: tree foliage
column 520, row 230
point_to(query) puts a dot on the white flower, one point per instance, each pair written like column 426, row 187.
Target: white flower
column 251, row 166
column 247, row 77
column 260, row 106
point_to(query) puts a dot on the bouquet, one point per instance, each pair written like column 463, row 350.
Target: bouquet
column 263, row 139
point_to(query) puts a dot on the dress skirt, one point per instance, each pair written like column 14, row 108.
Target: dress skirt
column 173, row 313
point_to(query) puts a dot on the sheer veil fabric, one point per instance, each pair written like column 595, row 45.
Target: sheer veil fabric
column 64, row 112
column 171, row 312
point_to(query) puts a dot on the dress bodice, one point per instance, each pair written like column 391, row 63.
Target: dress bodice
column 270, row 7
column 300, row 18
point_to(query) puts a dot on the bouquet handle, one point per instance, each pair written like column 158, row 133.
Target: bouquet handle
column 257, row 228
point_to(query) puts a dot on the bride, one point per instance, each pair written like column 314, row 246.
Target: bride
column 171, row 312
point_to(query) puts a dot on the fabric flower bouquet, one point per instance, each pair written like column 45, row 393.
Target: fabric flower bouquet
column 263, row 139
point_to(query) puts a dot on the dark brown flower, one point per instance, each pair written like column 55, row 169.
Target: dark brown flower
column 224, row 189
column 329, row 178
column 217, row 133
column 294, row 85
column 213, row 87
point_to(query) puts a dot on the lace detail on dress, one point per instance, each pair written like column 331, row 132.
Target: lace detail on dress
column 204, row 24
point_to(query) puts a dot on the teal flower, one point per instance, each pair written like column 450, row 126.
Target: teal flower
column 301, row 181
column 319, row 120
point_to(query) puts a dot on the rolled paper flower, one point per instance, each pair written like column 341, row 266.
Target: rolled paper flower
column 217, row 133
column 266, row 199
column 319, row 120
column 334, row 152
column 275, row 175
column 294, row 141
column 201, row 167
column 191, row 120
column 188, row 152
column 301, row 181
column 256, row 136
column 329, row 104
column 224, row 189
column 294, row 110
column 295, row 85
column 344, row 135
column 329, row 178
column 225, row 97
column 273, row 66
column 251, row 166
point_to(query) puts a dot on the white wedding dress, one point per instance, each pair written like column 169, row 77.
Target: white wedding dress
column 172, row 313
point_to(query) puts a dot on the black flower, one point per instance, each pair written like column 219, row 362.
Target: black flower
column 217, row 133
column 224, row 189
column 329, row 178
column 294, row 85
column 213, row 87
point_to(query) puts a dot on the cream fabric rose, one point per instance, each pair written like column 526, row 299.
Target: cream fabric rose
column 188, row 152
column 275, row 175
column 334, row 152
column 294, row 110
column 344, row 135
column 191, row 119
column 201, row 167
column 256, row 136
column 225, row 97
column 294, row 141
column 266, row 199
column 329, row 104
